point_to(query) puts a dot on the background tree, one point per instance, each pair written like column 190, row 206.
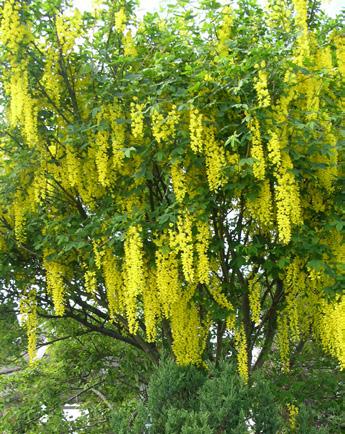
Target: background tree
column 81, row 371
column 174, row 183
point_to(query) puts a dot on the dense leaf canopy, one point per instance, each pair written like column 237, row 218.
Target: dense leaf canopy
column 174, row 183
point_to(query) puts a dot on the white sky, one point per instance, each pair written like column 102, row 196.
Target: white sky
column 332, row 7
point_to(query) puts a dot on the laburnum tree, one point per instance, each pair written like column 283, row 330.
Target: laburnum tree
column 175, row 182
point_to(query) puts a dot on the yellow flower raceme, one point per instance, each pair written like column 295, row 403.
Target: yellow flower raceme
column 129, row 48
column 281, row 110
column 167, row 277
column 23, row 108
column 293, row 413
column 328, row 174
column 73, row 168
column 183, row 241
column 28, row 311
column 189, row 334
column 37, row 191
column 301, row 15
column 98, row 253
column 55, row 273
column 90, row 281
column 203, row 266
column 215, row 289
column 102, row 158
column 260, row 84
column 257, row 151
column 13, row 31
column 102, row 148
column 172, row 121
column 287, row 200
column 261, row 207
column 120, row 20
column 242, row 356
column 293, row 285
column 178, row 182
column 339, row 41
column 113, row 282
column 137, row 118
column 224, row 31
column 274, row 152
column 158, row 127
column 164, row 127
column 312, row 87
column 196, row 130
column 118, row 133
column 51, row 78
column 68, row 30
column 152, row 308
column 254, row 294
column 283, row 341
column 331, row 328
column 302, row 42
column 279, row 15
column 215, row 159
column 133, row 274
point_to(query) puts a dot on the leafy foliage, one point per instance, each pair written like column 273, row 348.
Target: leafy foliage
column 83, row 370
column 173, row 184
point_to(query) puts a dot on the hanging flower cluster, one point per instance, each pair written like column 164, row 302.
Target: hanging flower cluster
column 185, row 190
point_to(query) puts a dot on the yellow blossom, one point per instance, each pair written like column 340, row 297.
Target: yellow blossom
column 73, row 167
column 293, row 413
column 287, row 200
column 90, row 281
column 28, row 311
column 302, row 42
column 151, row 306
column 129, row 48
column 137, row 118
column 279, row 15
column 168, row 283
column 118, row 134
column 261, row 207
column 283, row 341
column 55, row 273
column 242, row 356
column 220, row 298
column 98, row 253
column 13, row 31
column 201, row 247
column 332, row 328
column 178, row 182
column 184, row 242
column 339, row 41
column 273, row 146
column 113, row 283
column 196, row 130
column 163, row 127
column 215, row 159
column 158, row 130
column 51, row 78
column 120, row 20
column 133, row 274
column 68, row 29
column 260, row 85
column 224, row 31
column 254, row 295
column 257, row 151
column 189, row 335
